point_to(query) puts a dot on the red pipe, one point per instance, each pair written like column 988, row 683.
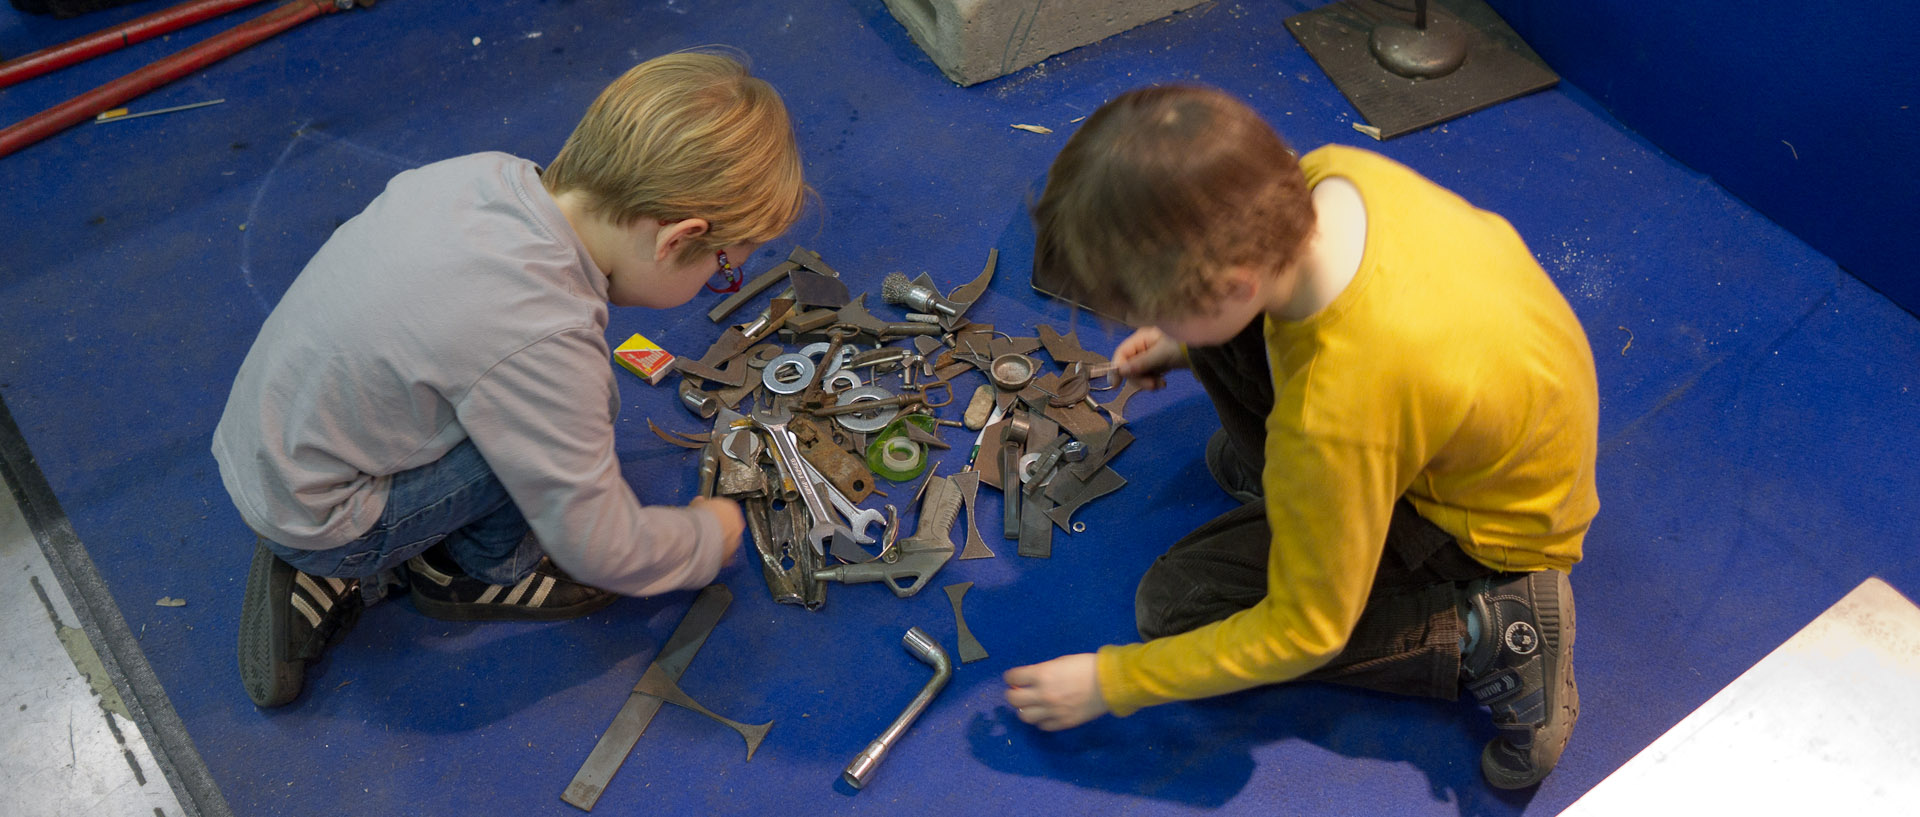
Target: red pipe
column 93, row 45
column 111, row 95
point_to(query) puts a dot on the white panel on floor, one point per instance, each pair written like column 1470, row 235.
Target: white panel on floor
column 62, row 752
column 1828, row 723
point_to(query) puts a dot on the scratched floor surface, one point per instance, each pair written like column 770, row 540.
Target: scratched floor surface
column 1758, row 416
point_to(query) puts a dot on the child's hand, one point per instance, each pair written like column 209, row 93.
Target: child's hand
column 1058, row 694
column 727, row 513
column 1146, row 355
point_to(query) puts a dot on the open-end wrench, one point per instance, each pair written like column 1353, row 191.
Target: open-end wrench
column 774, row 422
column 859, row 518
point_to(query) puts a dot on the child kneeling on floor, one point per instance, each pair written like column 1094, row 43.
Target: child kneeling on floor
column 1408, row 413
column 433, row 397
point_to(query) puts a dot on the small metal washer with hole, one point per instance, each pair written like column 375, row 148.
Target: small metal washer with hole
column 776, row 377
column 854, row 421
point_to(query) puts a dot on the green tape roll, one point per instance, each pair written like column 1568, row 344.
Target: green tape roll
column 895, row 457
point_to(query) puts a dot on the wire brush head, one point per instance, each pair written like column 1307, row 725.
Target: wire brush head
column 895, row 288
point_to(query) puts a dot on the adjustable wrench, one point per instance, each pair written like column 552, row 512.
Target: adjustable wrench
column 774, row 422
column 857, row 516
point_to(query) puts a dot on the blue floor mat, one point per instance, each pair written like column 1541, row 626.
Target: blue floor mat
column 1758, row 418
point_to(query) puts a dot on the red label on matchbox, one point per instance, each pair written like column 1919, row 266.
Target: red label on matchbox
column 644, row 358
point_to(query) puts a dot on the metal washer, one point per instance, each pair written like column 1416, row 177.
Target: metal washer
column 771, row 376
column 866, row 425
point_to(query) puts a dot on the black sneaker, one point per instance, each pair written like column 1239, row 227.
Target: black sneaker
column 1522, row 669
column 287, row 619
column 1240, row 480
column 442, row 591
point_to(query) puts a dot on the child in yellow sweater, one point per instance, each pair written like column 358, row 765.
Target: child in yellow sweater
column 1408, row 412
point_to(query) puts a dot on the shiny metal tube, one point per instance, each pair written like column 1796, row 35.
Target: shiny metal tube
column 923, row 647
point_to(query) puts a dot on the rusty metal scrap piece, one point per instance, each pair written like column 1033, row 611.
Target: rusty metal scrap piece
column 1101, row 449
column 731, row 376
column 787, row 566
column 818, row 289
column 925, row 437
column 1014, row 346
column 968, row 484
column 1066, row 349
column 987, row 465
column 855, row 313
column 1062, row 389
column 975, row 341
column 657, row 684
column 1104, row 482
column 812, row 260
column 1079, row 419
column 759, row 284
column 1119, row 401
column 1036, row 527
column 928, row 346
column 847, row 472
column 952, row 370
column 970, row 649
column 881, row 356
column 679, row 438
column 731, row 342
column 970, row 292
column 812, row 320
column 739, row 478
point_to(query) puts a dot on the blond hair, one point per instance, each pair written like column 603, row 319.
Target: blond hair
column 687, row 135
column 1159, row 194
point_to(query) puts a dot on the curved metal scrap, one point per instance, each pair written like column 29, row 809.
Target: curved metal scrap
column 684, row 440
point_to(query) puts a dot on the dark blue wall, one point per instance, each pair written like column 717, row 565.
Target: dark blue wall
column 1808, row 111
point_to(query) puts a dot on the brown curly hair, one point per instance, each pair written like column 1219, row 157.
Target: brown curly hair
column 1160, row 193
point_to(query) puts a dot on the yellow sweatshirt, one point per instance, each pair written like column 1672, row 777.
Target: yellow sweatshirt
column 1451, row 371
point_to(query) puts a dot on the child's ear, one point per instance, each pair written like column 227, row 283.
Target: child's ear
column 1243, row 283
column 674, row 235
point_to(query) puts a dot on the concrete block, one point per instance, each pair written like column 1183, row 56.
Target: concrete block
column 977, row 40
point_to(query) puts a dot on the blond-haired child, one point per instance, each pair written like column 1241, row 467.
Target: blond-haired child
column 1408, row 411
column 432, row 398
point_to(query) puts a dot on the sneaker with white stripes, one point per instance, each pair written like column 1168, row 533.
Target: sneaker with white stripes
column 546, row 594
column 287, row 619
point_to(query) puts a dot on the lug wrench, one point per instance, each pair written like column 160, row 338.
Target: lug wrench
column 923, row 647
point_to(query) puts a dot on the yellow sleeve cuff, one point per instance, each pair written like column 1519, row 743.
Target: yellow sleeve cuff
column 1122, row 696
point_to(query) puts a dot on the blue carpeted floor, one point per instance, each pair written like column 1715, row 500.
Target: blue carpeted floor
column 1759, row 411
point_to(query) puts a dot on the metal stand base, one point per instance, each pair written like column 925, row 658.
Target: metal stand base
column 1403, row 78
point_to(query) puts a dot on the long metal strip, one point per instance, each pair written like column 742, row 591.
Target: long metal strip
column 618, row 741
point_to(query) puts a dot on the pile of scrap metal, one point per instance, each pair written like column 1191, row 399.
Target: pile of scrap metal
column 801, row 437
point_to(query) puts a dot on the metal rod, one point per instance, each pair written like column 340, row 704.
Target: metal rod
column 53, row 58
column 106, row 118
column 113, row 94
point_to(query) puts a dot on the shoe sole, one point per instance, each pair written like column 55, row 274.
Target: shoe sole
column 1562, row 612
column 269, row 677
column 474, row 611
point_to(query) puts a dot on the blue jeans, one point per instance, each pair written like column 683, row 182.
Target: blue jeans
column 456, row 502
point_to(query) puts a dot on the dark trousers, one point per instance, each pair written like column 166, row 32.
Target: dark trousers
column 1407, row 641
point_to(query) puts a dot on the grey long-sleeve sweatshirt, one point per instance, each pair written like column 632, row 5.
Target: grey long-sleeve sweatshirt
column 459, row 305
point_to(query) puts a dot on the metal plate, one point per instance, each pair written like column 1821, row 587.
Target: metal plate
column 1499, row 64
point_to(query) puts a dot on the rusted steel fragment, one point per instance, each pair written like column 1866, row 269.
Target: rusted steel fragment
column 970, row 649
column 1105, row 482
column 693, row 441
